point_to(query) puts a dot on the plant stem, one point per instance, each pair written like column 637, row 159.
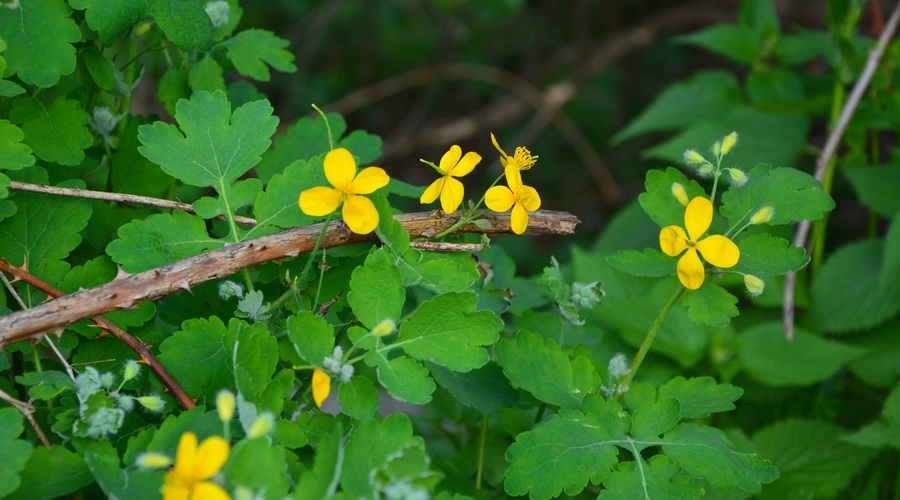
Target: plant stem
column 315, row 249
column 648, row 341
column 481, row 445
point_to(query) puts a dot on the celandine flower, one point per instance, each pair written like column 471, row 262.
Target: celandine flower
column 520, row 160
column 521, row 198
column 188, row 479
column 358, row 211
column 321, row 386
column 716, row 249
column 449, row 189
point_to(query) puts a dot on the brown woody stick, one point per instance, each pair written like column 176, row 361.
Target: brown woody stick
column 127, row 292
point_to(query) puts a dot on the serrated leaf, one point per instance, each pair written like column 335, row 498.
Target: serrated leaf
column 814, row 462
column 485, row 388
column 214, row 146
column 206, row 75
column 437, row 272
column 404, row 378
column 110, row 20
column 52, row 473
column 56, row 133
column 376, row 291
column 447, row 330
column 13, row 154
column 358, row 397
column 200, row 339
column 251, row 50
column 710, row 305
column 131, row 172
column 14, row 453
column 255, row 359
column 651, row 262
column 321, row 481
column 159, row 240
column 567, row 450
column 542, row 368
column 39, row 35
column 734, row 42
column 103, row 462
column 165, row 437
column 764, row 254
column 658, row 200
column 700, row 397
column 655, row 418
column 186, row 24
column 173, row 86
column 769, row 358
column 231, row 198
column 389, row 230
column 791, row 193
column 312, row 337
column 277, row 207
column 657, row 478
column 259, row 465
column 46, row 385
column 876, row 187
column 370, row 447
column 704, row 452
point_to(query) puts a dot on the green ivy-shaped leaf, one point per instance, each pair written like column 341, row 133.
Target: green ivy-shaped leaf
column 206, row 75
column 658, row 477
column 56, row 133
column 14, row 453
column 764, row 254
column 13, row 154
column 358, row 397
column 159, row 240
column 251, row 50
column 200, row 339
column 791, row 193
column 710, row 305
column 700, row 397
column 47, row 384
column 437, row 272
column 658, row 200
column 39, row 34
column 376, row 291
column 312, row 337
column 403, row 377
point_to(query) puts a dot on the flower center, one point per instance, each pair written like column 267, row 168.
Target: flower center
column 523, row 159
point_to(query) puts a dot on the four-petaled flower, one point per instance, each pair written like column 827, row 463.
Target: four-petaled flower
column 358, row 211
column 449, row 189
column 718, row 250
column 520, row 160
column 521, row 198
column 188, row 479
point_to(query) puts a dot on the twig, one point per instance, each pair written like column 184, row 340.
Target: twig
column 129, row 291
column 27, row 411
column 141, row 349
column 120, row 198
column 442, row 246
column 828, row 152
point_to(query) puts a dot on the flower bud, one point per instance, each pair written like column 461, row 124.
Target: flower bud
column 225, row 403
column 263, row 424
column 762, row 215
column 217, row 12
column 717, row 148
column 737, row 176
column 386, row 327
column 321, row 386
column 132, row 368
column 152, row 403
column 692, row 157
column 680, row 194
column 728, row 142
column 618, row 366
column 153, row 461
column 705, row 170
column 755, row 286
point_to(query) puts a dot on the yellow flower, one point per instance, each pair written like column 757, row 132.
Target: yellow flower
column 321, row 386
column 520, row 160
column 521, row 198
column 193, row 466
column 358, row 211
column 449, row 189
column 716, row 249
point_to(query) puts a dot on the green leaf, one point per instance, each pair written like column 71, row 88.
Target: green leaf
column 763, row 254
column 134, row 484
column 165, row 438
column 173, row 86
column 485, row 388
column 658, row 200
column 704, row 452
column 447, row 330
column 277, row 207
column 567, row 450
column 312, row 336
column 259, row 465
column 655, row 478
column 651, row 262
column 700, row 397
column 159, row 240
column 802, row 47
column 542, row 368
column 56, row 133
column 710, row 305
column 13, row 154
column 213, row 147
column 876, row 187
column 404, row 378
column 878, row 366
column 734, row 42
column 185, row 23
column 131, row 172
column 39, row 34
column 96, row 272
column 206, row 340
column 206, row 75
column 655, row 418
column 439, row 272
column 52, row 473
column 232, row 198
column 376, row 291
column 358, row 397
column 100, row 68
column 769, row 358
column 47, row 384
column 322, row 480
column 251, row 50
column 389, row 230
column 255, row 360
column 791, row 193
column 14, row 453
column 813, row 460
column 110, row 20
column 369, row 449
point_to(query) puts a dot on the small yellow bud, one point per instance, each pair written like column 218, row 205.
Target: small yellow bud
column 705, row 170
column 717, row 148
column 132, row 368
column 321, row 386
column 152, row 403
column 153, row 461
column 728, row 142
column 263, row 424
column 737, row 176
column 692, row 157
column 762, row 215
column 386, row 327
column 755, row 286
column 225, row 403
column 680, row 194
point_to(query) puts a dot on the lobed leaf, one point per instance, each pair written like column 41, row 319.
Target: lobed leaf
column 404, row 378
column 485, row 388
column 39, row 36
column 52, row 473
column 376, row 291
column 358, row 397
column 792, row 194
column 110, row 20
column 199, row 356
column 185, row 24
column 56, row 133
column 276, row 208
column 160, row 239
column 369, row 449
column 700, row 397
column 312, row 337
column 658, row 200
column 876, row 187
column 764, row 254
column 651, row 262
column 251, row 50
column 259, row 465
column 438, row 272
column 14, row 453
column 710, row 305
column 657, row 478
column 13, row 154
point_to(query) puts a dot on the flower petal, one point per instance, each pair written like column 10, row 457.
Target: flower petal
column 209, row 491
column 719, row 251
column 433, row 191
column 499, row 198
column 672, row 240
column 186, row 456
column 321, row 386
column 340, row 167
column 452, row 195
column 360, row 214
column 211, row 456
column 529, row 198
column 513, row 176
column 319, row 201
column 519, row 219
column 173, row 489
column 697, row 217
column 503, row 156
column 690, row 270
column 370, row 180
column 465, row 165
column 450, row 158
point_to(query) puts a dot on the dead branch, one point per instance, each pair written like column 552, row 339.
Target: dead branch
column 129, row 291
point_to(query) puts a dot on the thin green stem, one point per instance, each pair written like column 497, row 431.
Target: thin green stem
column 482, row 440
column 467, row 214
column 312, row 254
column 321, row 279
column 648, row 340
column 327, row 127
